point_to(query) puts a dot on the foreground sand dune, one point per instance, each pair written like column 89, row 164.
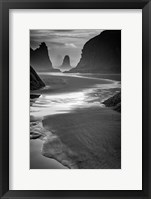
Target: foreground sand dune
column 91, row 139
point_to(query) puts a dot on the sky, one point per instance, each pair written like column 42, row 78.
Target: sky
column 62, row 42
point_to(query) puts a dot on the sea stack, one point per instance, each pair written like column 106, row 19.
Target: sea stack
column 40, row 60
column 101, row 54
column 65, row 64
column 35, row 81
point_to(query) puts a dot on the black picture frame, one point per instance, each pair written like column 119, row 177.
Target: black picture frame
column 5, row 5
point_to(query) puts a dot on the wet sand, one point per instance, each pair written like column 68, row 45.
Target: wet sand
column 93, row 135
column 38, row 161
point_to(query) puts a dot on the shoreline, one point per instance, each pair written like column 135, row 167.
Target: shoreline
column 86, row 137
column 38, row 161
column 38, row 155
column 62, row 84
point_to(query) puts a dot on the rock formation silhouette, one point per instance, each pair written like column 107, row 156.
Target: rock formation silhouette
column 40, row 60
column 65, row 64
column 35, row 81
column 114, row 102
column 101, row 54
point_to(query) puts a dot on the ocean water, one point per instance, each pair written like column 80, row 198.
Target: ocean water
column 51, row 103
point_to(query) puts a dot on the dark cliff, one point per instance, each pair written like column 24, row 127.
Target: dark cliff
column 40, row 60
column 101, row 54
column 35, row 81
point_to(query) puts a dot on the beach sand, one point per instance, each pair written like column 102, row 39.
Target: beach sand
column 92, row 138
column 38, row 161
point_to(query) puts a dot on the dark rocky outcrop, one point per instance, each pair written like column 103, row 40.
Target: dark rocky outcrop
column 114, row 101
column 65, row 64
column 35, row 81
column 101, row 54
column 34, row 96
column 118, row 107
column 40, row 60
column 34, row 135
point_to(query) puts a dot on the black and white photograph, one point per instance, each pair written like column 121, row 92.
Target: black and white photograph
column 75, row 99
